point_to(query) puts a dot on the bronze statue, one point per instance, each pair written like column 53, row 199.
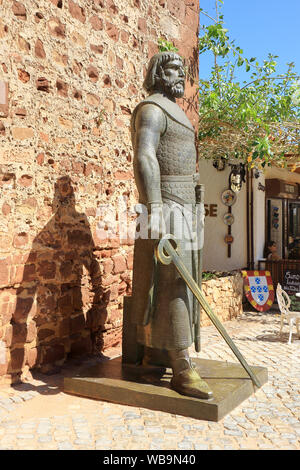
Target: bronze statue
column 163, row 308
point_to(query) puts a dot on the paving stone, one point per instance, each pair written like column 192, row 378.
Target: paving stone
column 45, row 438
column 265, row 446
column 82, row 442
column 84, row 437
column 44, row 431
column 185, row 445
column 157, row 440
column 17, row 400
column 103, row 442
column 130, row 415
column 26, row 396
column 198, row 427
column 171, row 431
column 187, row 427
column 119, row 428
column 6, row 407
column 263, row 421
column 153, row 430
column 288, row 436
column 65, row 446
column 6, row 401
column 201, row 447
column 155, row 447
column 233, row 432
column 265, row 429
column 231, row 427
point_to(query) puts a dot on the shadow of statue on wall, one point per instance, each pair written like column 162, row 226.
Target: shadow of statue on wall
column 60, row 307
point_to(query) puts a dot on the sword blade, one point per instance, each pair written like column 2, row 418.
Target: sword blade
column 165, row 248
column 199, row 192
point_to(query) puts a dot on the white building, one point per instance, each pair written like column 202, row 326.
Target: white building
column 266, row 208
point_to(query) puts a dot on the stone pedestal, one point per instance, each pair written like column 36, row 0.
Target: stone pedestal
column 149, row 387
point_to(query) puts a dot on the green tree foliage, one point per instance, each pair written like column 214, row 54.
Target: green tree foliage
column 164, row 45
column 256, row 121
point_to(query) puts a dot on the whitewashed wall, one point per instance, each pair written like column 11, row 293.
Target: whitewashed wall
column 215, row 248
column 259, row 198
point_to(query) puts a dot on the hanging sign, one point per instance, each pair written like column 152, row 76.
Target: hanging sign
column 259, row 290
column 291, row 282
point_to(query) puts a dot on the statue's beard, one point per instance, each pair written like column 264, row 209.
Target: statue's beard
column 175, row 89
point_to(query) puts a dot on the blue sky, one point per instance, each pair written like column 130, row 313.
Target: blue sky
column 259, row 27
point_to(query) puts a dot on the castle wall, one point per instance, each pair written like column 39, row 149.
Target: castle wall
column 71, row 73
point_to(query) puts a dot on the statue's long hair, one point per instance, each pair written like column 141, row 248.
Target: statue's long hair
column 158, row 60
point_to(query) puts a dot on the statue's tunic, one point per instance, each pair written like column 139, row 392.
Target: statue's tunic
column 163, row 306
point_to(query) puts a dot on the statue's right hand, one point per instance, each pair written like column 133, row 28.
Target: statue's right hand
column 156, row 223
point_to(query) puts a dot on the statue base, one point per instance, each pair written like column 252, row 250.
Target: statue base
column 149, row 387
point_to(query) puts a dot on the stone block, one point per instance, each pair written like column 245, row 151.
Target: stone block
column 3, row 102
column 31, row 356
column 23, row 308
column 19, row 10
column 4, row 273
column 96, row 23
column 57, row 28
column 119, row 264
column 76, row 11
column 22, row 133
column 39, row 49
column 17, row 359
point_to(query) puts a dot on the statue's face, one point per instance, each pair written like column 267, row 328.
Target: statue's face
column 173, row 78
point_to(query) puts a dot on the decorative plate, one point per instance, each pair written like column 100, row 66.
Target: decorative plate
column 228, row 219
column 228, row 197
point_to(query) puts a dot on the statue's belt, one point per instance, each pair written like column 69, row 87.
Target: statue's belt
column 179, row 179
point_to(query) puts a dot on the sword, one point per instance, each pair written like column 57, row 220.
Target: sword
column 167, row 253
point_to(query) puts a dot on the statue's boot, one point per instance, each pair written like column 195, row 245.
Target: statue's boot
column 186, row 379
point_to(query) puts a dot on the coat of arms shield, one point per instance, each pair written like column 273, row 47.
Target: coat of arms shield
column 259, row 290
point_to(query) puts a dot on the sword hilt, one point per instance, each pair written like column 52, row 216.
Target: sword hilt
column 160, row 251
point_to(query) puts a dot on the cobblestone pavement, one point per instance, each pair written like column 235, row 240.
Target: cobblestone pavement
column 38, row 415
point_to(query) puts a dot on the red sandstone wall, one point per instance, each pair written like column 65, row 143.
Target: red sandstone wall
column 74, row 71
